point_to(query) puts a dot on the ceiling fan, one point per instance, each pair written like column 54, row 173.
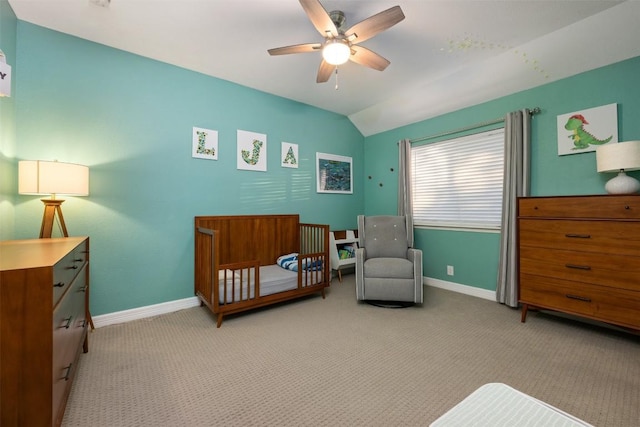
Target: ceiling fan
column 339, row 45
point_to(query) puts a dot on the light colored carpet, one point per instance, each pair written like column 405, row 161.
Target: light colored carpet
column 336, row 362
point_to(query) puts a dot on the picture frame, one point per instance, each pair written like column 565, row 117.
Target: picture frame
column 334, row 174
column 204, row 144
column 584, row 130
column 251, row 151
column 289, row 155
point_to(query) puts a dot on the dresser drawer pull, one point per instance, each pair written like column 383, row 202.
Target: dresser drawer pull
column 68, row 374
column 578, row 236
column 84, row 288
column 68, row 322
column 73, row 267
column 78, row 260
column 58, row 285
column 578, row 297
column 578, row 267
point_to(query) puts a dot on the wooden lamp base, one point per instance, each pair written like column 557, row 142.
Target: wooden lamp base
column 51, row 207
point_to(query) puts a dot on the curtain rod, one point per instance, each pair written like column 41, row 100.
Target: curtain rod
column 533, row 111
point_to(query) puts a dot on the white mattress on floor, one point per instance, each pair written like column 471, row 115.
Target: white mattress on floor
column 273, row 279
column 498, row 405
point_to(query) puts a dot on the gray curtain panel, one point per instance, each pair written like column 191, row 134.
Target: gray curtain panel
column 405, row 201
column 516, row 183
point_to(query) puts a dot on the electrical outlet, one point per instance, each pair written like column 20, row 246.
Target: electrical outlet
column 450, row 270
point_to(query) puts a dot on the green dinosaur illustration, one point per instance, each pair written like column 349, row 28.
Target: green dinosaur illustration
column 582, row 138
column 255, row 153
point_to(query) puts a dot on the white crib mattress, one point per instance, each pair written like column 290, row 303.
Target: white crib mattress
column 273, row 279
column 498, row 405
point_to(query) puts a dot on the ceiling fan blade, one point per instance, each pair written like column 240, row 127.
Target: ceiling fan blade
column 297, row 48
column 375, row 24
column 363, row 56
column 319, row 17
column 324, row 72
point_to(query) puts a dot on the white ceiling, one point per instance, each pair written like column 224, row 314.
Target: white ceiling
column 445, row 55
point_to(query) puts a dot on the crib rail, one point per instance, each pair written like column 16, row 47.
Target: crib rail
column 314, row 248
column 206, row 263
column 240, row 282
column 229, row 251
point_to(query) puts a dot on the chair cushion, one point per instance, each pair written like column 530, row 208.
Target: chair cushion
column 385, row 236
column 388, row 268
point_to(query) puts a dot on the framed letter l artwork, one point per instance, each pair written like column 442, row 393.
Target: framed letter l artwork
column 334, row 174
column 204, row 144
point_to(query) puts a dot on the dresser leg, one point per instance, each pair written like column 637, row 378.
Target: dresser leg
column 90, row 321
column 523, row 317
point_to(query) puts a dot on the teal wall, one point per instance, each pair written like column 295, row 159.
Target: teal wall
column 8, row 23
column 475, row 255
column 130, row 120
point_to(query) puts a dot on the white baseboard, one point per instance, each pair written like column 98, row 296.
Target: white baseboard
column 463, row 289
column 144, row 312
column 171, row 306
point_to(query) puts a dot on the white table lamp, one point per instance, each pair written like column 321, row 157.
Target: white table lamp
column 41, row 177
column 620, row 157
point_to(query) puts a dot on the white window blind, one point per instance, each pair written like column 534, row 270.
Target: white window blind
column 458, row 182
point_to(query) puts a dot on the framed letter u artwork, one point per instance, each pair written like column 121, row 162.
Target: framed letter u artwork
column 334, row 174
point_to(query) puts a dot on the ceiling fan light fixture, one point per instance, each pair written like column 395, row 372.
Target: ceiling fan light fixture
column 336, row 52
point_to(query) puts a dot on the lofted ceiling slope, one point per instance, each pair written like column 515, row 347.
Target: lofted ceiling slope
column 445, row 55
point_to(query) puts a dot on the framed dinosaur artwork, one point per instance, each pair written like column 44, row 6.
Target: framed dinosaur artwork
column 252, row 151
column 583, row 131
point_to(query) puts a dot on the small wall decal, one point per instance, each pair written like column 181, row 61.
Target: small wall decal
column 289, row 155
column 205, row 144
column 583, row 131
column 252, row 151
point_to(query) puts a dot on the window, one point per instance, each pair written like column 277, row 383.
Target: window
column 458, row 182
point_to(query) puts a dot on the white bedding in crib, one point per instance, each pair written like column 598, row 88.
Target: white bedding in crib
column 273, row 279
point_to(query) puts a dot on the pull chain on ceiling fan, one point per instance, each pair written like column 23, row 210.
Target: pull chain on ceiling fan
column 341, row 46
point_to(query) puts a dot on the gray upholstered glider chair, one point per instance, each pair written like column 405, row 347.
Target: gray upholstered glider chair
column 387, row 267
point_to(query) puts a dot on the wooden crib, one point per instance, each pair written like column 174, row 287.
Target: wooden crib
column 235, row 261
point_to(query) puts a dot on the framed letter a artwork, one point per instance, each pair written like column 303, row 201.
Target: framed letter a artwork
column 289, row 155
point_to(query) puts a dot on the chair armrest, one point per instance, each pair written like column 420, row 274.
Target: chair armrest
column 360, row 257
column 415, row 256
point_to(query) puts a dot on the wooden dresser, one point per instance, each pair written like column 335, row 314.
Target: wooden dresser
column 581, row 255
column 44, row 292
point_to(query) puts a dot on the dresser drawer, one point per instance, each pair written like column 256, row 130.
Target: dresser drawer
column 614, row 237
column 69, row 329
column 44, row 328
column 604, row 269
column 67, row 269
column 612, row 207
column 617, row 306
